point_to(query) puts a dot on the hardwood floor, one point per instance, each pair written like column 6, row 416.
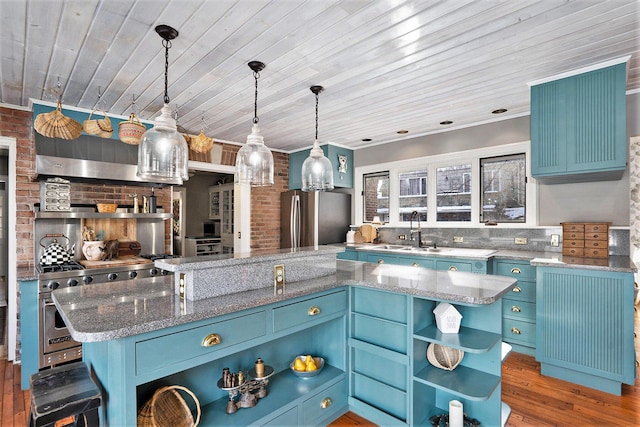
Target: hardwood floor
column 535, row 400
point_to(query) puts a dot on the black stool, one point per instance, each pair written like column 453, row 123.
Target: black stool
column 63, row 392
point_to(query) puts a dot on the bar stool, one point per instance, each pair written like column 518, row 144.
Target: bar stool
column 64, row 392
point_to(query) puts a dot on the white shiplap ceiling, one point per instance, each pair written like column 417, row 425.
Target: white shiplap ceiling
column 386, row 65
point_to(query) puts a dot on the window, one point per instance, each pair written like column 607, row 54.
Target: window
column 413, row 194
column 376, row 196
column 453, row 187
column 503, row 196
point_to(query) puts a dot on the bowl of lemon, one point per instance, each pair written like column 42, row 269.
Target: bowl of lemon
column 307, row 366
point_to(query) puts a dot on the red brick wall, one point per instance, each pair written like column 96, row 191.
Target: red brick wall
column 265, row 206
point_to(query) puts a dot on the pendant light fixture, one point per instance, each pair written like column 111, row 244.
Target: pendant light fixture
column 254, row 161
column 317, row 171
column 163, row 154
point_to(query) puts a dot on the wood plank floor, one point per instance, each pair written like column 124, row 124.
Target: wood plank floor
column 535, row 400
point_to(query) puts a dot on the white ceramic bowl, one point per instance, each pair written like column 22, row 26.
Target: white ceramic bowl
column 308, row 374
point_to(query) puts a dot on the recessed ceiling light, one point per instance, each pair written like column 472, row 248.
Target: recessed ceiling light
column 446, row 122
column 499, row 111
column 366, row 140
column 402, row 132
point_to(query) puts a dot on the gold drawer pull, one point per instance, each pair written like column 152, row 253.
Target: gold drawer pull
column 516, row 289
column 415, row 264
column 453, row 268
column 211, row 340
column 515, row 270
column 515, row 331
column 314, row 311
column 515, row 309
column 326, row 402
column 380, row 261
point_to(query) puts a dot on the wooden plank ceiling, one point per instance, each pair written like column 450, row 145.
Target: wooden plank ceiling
column 386, row 65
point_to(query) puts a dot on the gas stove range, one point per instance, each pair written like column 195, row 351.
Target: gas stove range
column 77, row 275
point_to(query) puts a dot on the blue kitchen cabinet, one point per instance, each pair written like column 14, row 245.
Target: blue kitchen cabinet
column 519, row 305
column 29, row 334
column 334, row 154
column 348, row 254
column 578, row 127
column 584, row 322
column 435, row 263
column 133, row 367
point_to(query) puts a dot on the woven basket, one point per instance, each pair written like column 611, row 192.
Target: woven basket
column 107, row 207
column 167, row 408
column 201, row 143
column 54, row 124
column 131, row 131
column 442, row 357
column 98, row 127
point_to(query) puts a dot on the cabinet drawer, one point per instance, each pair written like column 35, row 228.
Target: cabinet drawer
column 163, row 351
column 573, row 251
column 324, row 404
column 591, row 228
column 386, row 371
column 600, row 241
column 308, row 310
column 289, row 418
column 519, row 309
column 453, row 266
column 573, row 243
column 519, row 331
column 523, row 291
column 417, row 262
column 571, row 227
column 385, row 305
column 383, row 333
column 596, row 252
column 572, row 236
column 516, row 270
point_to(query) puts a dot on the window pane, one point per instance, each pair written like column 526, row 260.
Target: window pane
column 413, row 194
column 453, row 184
column 376, row 196
column 503, row 195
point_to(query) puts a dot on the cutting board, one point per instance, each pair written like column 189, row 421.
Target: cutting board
column 128, row 249
column 115, row 262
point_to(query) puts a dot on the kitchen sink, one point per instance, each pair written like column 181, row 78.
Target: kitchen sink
column 444, row 251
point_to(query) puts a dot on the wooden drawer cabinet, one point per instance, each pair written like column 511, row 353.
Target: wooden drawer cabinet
column 587, row 240
column 156, row 353
column 309, row 310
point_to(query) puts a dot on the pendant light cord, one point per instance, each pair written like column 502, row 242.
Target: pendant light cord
column 167, row 46
column 317, row 96
column 256, row 75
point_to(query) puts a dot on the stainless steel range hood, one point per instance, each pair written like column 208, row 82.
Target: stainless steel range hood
column 89, row 158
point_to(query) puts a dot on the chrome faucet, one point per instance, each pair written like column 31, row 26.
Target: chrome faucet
column 418, row 231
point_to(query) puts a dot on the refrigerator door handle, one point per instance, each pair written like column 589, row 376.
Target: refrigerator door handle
column 295, row 222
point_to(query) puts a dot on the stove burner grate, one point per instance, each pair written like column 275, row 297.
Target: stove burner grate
column 67, row 266
column 154, row 257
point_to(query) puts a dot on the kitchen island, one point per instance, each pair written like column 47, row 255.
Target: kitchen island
column 140, row 337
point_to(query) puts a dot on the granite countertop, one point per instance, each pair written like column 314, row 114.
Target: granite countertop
column 121, row 309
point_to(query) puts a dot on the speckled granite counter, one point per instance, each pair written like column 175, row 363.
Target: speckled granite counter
column 615, row 263
column 121, row 309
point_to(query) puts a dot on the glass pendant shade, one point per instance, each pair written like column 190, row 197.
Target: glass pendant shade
column 317, row 172
column 163, row 153
column 254, row 161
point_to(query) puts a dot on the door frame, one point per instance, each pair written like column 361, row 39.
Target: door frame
column 9, row 143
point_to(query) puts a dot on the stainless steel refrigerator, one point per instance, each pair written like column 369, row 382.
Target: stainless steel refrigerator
column 313, row 218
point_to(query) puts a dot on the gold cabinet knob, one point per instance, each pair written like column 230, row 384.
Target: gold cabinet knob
column 314, row 311
column 515, row 270
column 515, row 309
column 516, row 289
column 211, row 340
column 380, row 261
column 326, row 402
column 415, row 264
column 453, row 268
column 515, row 331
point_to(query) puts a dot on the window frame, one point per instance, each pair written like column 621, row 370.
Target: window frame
column 431, row 163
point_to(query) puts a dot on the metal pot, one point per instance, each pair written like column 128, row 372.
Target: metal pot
column 55, row 253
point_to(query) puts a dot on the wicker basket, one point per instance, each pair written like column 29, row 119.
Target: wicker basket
column 131, row 131
column 98, row 127
column 442, row 357
column 107, row 207
column 167, row 408
column 54, row 124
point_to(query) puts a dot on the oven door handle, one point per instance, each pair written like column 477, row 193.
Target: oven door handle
column 49, row 304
